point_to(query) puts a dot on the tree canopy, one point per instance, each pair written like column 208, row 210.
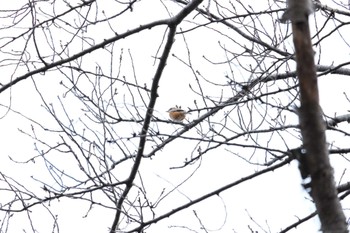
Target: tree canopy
column 88, row 144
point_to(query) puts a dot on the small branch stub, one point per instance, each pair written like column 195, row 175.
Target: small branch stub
column 297, row 11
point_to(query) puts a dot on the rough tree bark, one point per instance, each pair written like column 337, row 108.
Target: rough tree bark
column 315, row 162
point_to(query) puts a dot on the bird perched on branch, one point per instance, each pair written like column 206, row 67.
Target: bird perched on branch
column 177, row 114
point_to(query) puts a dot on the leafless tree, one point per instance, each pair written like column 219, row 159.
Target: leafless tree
column 90, row 82
column 314, row 162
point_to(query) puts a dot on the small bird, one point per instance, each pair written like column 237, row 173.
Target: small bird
column 177, row 114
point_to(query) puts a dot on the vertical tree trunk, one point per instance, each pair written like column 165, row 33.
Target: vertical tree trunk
column 316, row 159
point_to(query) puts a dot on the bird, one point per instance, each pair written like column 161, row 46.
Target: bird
column 177, row 114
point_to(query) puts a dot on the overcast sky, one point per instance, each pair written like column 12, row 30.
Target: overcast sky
column 270, row 202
